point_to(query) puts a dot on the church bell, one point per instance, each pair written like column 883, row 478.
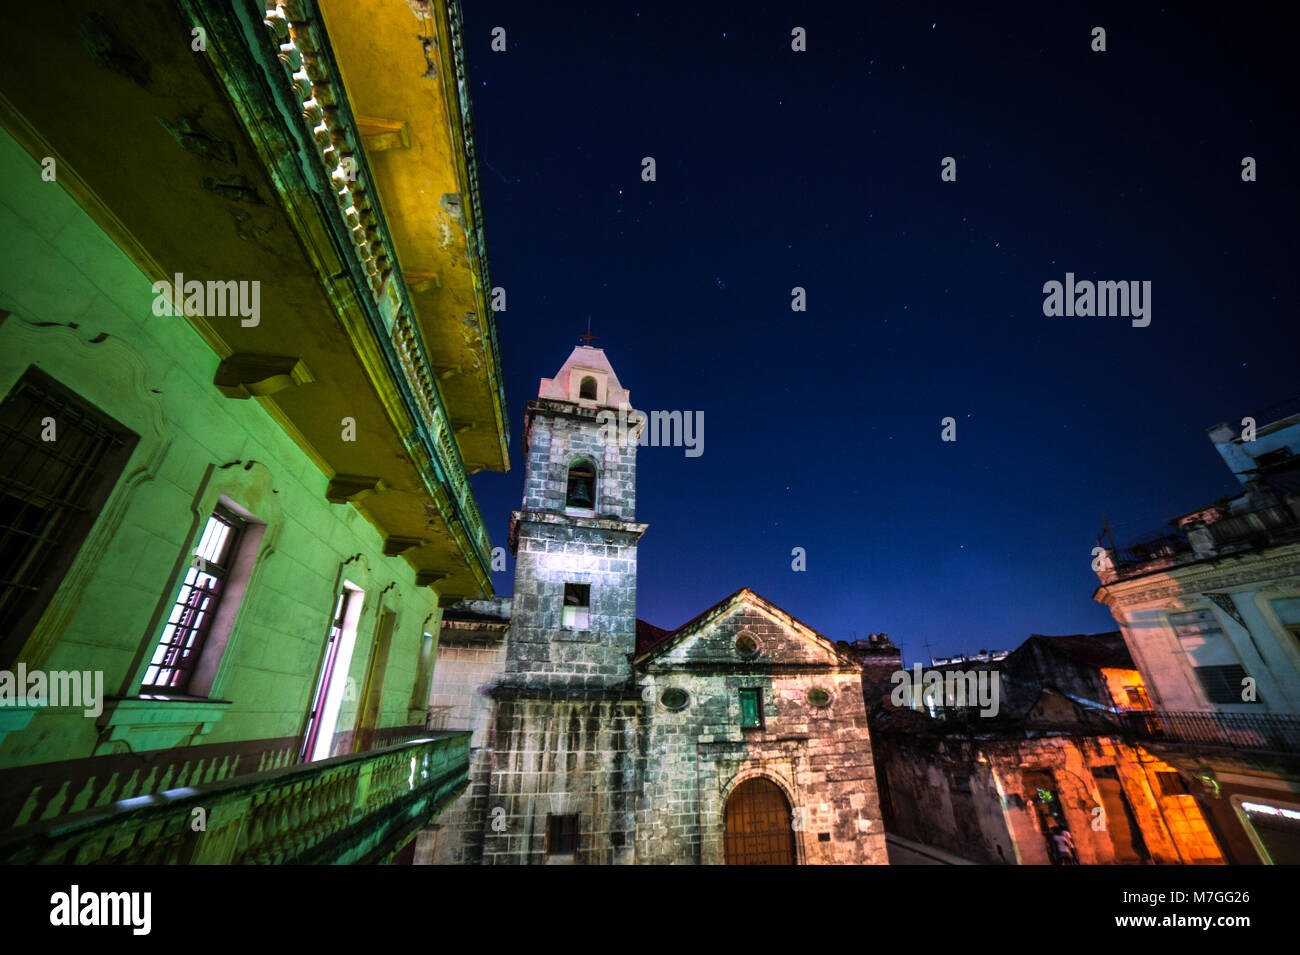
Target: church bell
column 581, row 495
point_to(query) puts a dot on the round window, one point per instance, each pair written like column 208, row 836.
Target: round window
column 673, row 698
column 819, row 697
column 746, row 645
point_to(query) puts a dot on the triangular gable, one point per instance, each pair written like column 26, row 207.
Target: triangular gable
column 745, row 598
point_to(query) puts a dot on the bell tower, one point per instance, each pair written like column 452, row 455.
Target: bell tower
column 573, row 623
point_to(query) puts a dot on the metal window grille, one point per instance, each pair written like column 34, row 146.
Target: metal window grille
column 190, row 620
column 50, row 491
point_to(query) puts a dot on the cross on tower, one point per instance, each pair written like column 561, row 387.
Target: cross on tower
column 587, row 337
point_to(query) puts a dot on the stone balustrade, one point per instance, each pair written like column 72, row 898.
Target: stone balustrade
column 360, row 808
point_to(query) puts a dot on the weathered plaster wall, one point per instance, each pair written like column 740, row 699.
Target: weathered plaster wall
column 154, row 375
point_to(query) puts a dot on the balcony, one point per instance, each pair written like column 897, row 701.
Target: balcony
column 357, row 809
column 1264, row 526
column 1262, row 732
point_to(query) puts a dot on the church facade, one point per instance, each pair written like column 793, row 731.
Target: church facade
column 740, row 737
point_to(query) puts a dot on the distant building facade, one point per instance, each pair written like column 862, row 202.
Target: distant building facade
column 1211, row 612
column 1058, row 755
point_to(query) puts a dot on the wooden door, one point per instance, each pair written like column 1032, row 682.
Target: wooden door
column 758, row 825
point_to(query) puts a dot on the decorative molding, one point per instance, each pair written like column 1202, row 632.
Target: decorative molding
column 1225, row 603
column 1261, row 570
column 153, row 724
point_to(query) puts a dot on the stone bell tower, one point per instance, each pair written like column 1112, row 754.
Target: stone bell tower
column 575, row 539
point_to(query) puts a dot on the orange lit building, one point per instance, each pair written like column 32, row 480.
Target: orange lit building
column 1059, row 752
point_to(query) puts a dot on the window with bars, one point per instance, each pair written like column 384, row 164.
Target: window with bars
column 59, row 460
column 188, row 624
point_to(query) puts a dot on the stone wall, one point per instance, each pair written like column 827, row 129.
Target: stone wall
column 819, row 756
column 559, row 755
column 556, row 434
column 555, row 545
column 471, row 658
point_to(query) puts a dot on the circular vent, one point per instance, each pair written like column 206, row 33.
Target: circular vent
column 819, row 697
column 746, row 645
column 673, row 698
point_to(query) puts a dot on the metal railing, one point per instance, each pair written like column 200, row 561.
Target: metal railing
column 360, row 808
column 1260, row 732
column 1252, row 528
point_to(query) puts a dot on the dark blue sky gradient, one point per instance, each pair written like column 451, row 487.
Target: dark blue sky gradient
column 821, row 170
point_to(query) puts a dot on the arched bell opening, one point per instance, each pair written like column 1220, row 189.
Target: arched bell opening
column 581, row 492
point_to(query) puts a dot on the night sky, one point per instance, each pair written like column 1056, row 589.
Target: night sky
column 821, row 169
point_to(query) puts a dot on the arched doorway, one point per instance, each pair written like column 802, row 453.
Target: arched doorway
column 758, row 829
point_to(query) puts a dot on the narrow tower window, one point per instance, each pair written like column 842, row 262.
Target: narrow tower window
column 577, row 606
column 587, row 388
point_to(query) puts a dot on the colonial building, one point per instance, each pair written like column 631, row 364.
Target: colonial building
column 1211, row 612
column 738, row 737
column 1058, row 753
column 247, row 362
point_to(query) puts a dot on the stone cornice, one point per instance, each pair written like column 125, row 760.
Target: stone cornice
column 1204, row 578
column 629, row 529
